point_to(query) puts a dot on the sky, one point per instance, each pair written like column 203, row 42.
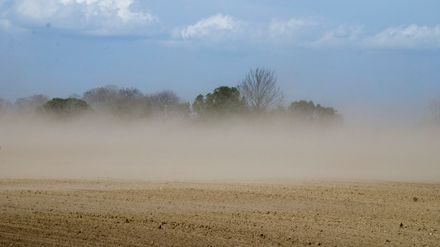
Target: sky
column 358, row 56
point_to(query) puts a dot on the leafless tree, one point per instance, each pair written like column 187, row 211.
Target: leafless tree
column 118, row 101
column 167, row 103
column 259, row 89
column 164, row 100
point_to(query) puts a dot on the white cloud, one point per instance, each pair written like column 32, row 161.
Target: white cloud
column 127, row 17
column 406, row 37
column 342, row 35
column 305, row 32
column 289, row 29
column 225, row 28
column 214, row 27
column 402, row 37
column 94, row 17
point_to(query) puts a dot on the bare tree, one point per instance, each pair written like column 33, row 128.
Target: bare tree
column 167, row 103
column 165, row 100
column 259, row 89
column 127, row 102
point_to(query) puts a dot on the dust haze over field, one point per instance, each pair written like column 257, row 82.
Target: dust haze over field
column 219, row 123
column 150, row 170
column 227, row 150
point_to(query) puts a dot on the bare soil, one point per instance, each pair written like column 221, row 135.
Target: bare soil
column 120, row 213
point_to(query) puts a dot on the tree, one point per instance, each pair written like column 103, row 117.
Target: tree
column 325, row 113
column 307, row 111
column 434, row 111
column 66, row 107
column 199, row 104
column 303, row 109
column 259, row 89
column 164, row 101
column 223, row 100
column 31, row 104
column 167, row 103
column 4, row 105
column 131, row 102
column 101, row 96
column 119, row 102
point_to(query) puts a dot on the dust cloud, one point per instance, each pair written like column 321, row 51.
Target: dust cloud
column 230, row 150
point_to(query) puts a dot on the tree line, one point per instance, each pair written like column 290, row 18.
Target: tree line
column 257, row 94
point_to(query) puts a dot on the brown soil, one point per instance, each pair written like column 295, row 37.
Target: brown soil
column 115, row 213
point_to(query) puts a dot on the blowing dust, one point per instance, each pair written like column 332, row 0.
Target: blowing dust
column 221, row 151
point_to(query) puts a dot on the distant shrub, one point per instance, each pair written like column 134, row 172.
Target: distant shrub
column 132, row 103
column 309, row 112
column 222, row 101
column 66, row 107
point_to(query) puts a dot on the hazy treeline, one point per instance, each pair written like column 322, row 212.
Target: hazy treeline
column 264, row 136
column 256, row 95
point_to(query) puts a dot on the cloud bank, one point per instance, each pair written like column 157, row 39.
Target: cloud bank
column 307, row 32
column 406, row 37
column 131, row 17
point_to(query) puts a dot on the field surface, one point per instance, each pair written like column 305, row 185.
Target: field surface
column 118, row 213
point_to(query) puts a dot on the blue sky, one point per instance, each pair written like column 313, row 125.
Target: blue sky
column 376, row 55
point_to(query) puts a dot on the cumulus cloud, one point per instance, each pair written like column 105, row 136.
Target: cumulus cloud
column 406, row 37
column 94, row 17
column 213, row 27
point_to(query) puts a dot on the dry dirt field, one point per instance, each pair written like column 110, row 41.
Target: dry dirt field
column 118, row 213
